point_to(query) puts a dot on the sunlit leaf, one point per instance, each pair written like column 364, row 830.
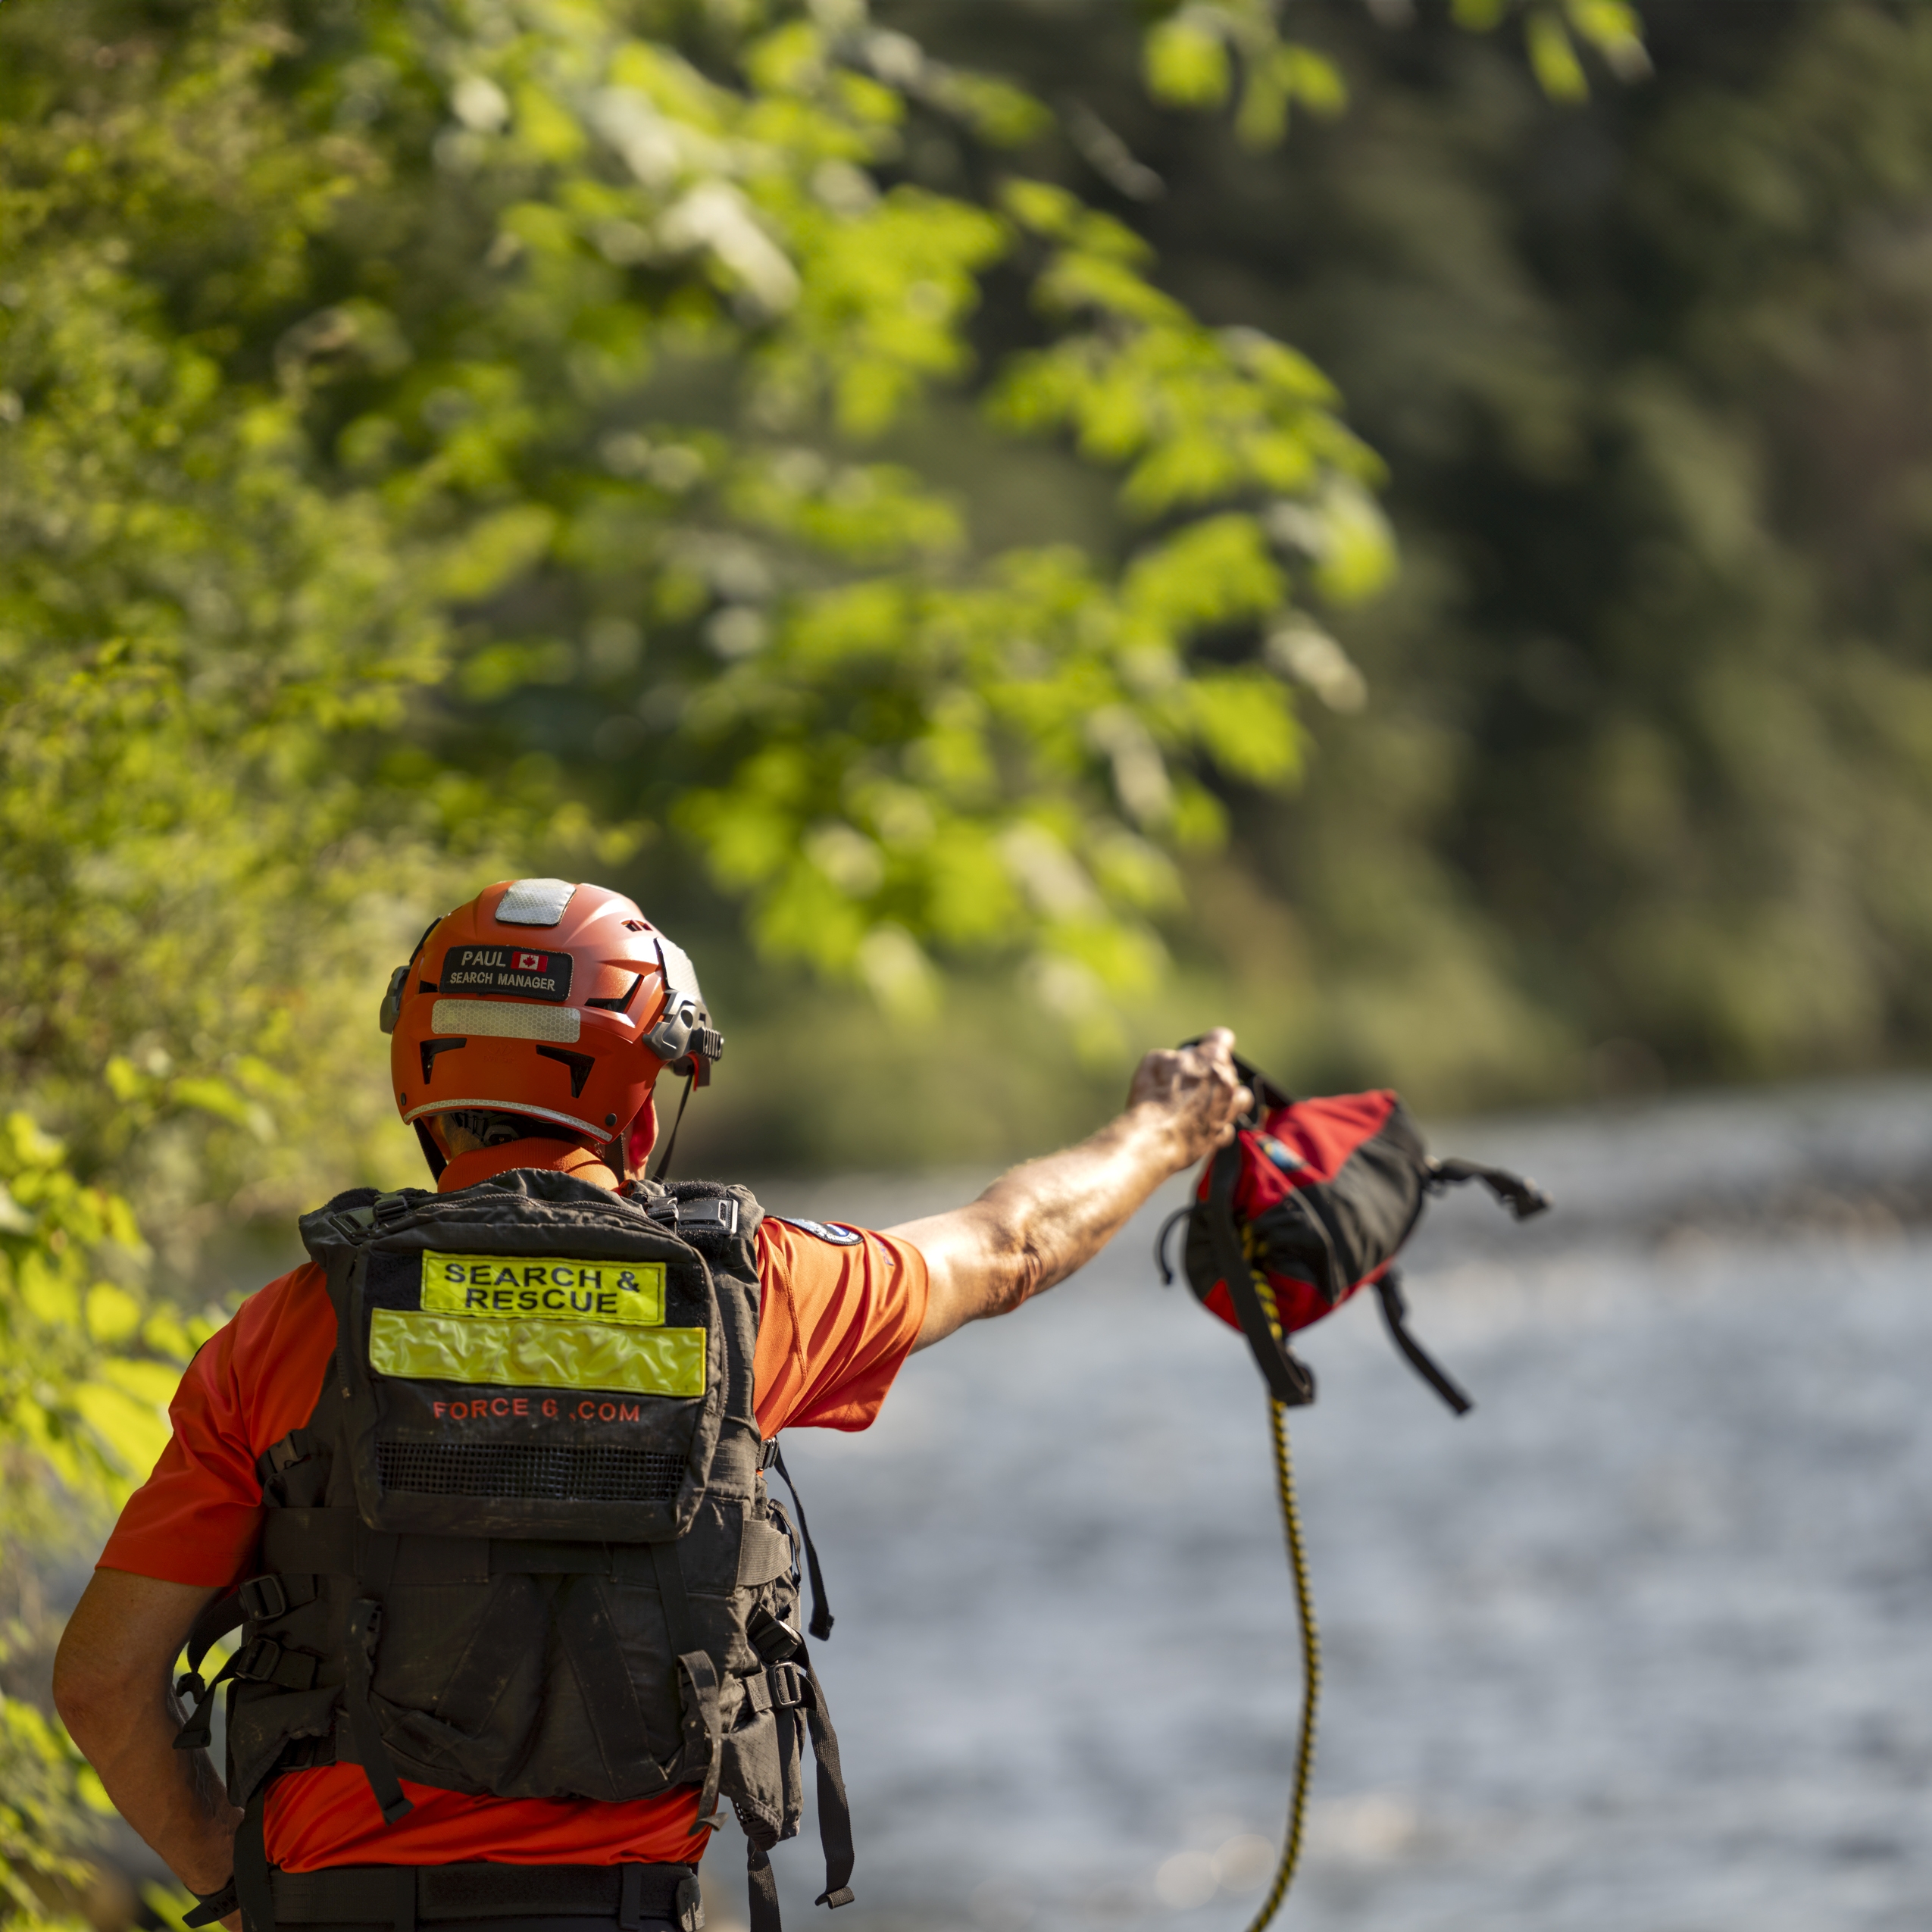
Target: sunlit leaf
column 1186, row 62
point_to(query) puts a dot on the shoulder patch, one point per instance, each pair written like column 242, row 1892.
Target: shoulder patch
column 839, row 1237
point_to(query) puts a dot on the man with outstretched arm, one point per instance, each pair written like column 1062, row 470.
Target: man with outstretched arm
column 482, row 1483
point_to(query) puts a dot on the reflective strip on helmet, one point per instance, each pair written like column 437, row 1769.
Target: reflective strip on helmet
column 537, row 1354
column 499, row 1019
column 534, row 902
column 550, row 1288
column 485, row 1101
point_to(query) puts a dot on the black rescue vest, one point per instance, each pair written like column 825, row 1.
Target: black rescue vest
column 523, row 1546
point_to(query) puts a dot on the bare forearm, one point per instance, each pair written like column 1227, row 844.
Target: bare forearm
column 1052, row 1216
column 172, row 1798
column 111, row 1685
column 1044, row 1221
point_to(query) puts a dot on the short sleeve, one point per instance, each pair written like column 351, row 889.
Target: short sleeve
column 837, row 1320
column 196, row 1519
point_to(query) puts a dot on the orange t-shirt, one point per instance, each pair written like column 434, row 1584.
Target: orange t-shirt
column 835, row 1322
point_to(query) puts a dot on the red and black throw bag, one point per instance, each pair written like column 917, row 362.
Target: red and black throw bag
column 1312, row 1202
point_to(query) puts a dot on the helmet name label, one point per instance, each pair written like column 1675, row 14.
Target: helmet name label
column 549, row 1288
column 524, row 972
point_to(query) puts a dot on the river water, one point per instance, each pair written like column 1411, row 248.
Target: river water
column 1644, row 1644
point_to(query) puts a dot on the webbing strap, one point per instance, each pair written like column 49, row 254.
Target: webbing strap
column 703, row 1731
column 211, row 1906
column 375, row 1895
column 698, row 1686
column 1289, row 1379
column 761, row 1891
column 252, row 1882
column 1395, row 1314
column 263, row 1661
column 217, row 1619
column 365, row 1623
column 834, row 1810
column 1522, row 1197
column 671, row 1144
column 672, row 1594
column 820, row 1625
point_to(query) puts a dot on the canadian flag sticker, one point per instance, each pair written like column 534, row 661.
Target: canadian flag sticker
column 530, row 962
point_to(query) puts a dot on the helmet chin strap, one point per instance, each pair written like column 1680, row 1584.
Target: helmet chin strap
column 432, row 1153
column 663, row 1159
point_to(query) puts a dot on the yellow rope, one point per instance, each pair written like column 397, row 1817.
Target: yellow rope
column 1298, row 1802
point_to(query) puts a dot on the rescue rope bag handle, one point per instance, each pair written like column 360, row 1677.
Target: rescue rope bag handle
column 1290, row 1381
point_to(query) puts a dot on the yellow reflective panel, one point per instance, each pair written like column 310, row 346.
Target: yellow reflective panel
column 548, row 1287
column 537, row 1354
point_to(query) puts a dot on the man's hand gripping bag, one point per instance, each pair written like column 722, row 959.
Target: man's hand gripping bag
column 1312, row 1202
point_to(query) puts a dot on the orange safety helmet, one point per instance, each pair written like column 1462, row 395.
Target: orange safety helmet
column 557, row 1001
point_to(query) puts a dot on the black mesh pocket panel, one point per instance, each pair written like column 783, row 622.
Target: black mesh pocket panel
column 540, row 1472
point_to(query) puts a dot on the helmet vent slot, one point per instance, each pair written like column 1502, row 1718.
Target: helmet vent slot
column 546, row 1472
column 431, row 1048
column 619, row 1005
column 579, row 1064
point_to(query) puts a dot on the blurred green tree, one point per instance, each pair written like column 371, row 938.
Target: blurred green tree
column 1637, row 792
column 349, row 350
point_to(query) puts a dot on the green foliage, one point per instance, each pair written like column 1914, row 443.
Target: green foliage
column 602, row 226
column 1190, row 50
column 49, row 1798
column 188, row 622
column 1552, row 30
column 88, row 1359
column 1190, row 55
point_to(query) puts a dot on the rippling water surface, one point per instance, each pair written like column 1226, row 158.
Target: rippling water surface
column 1644, row 1644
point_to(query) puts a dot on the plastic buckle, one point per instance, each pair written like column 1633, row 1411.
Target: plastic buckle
column 256, row 1662
column 788, row 1686
column 716, row 1214
column 773, row 1638
column 190, row 1684
column 264, row 1599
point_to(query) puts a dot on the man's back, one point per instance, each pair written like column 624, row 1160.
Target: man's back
column 838, row 1317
